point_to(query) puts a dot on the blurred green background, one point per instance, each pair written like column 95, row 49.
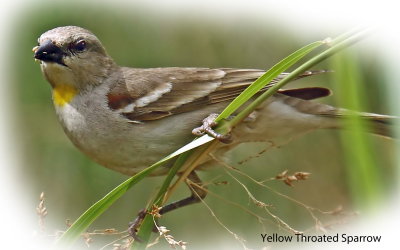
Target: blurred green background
column 141, row 37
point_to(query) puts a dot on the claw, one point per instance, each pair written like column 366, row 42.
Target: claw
column 207, row 128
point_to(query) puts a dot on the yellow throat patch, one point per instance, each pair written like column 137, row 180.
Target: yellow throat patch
column 63, row 94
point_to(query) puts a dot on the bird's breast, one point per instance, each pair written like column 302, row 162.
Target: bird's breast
column 112, row 140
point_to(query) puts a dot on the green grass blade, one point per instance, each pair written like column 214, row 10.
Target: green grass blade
column 90, row 215
column 362, row 171
column 340, row 43
column 147, row 223
column 281, row 67
column 84, row 221
column 266, row 78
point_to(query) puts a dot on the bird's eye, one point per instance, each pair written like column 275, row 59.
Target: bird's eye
column 79, row 45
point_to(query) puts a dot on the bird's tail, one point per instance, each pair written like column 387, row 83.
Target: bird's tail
column 336, row 118
column 382, row 125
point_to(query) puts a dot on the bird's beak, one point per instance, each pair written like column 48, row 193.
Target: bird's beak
column 49, row 52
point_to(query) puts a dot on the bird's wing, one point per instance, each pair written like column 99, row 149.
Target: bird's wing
column 151, row 94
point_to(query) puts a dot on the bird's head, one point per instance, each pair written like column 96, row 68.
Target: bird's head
column 72, row 56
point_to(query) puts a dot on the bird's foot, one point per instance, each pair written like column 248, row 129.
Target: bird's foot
column 207, row 128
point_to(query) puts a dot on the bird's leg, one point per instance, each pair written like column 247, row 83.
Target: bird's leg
column 134, row 225
column 207, row 128
column 194, row 183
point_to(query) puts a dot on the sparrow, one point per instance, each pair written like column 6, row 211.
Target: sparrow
column 128, row 118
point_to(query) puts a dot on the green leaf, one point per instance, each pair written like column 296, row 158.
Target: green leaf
column 266, row 78
column 90, row 215
column 362, row 172
column 337, row 44
column 147, row 223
